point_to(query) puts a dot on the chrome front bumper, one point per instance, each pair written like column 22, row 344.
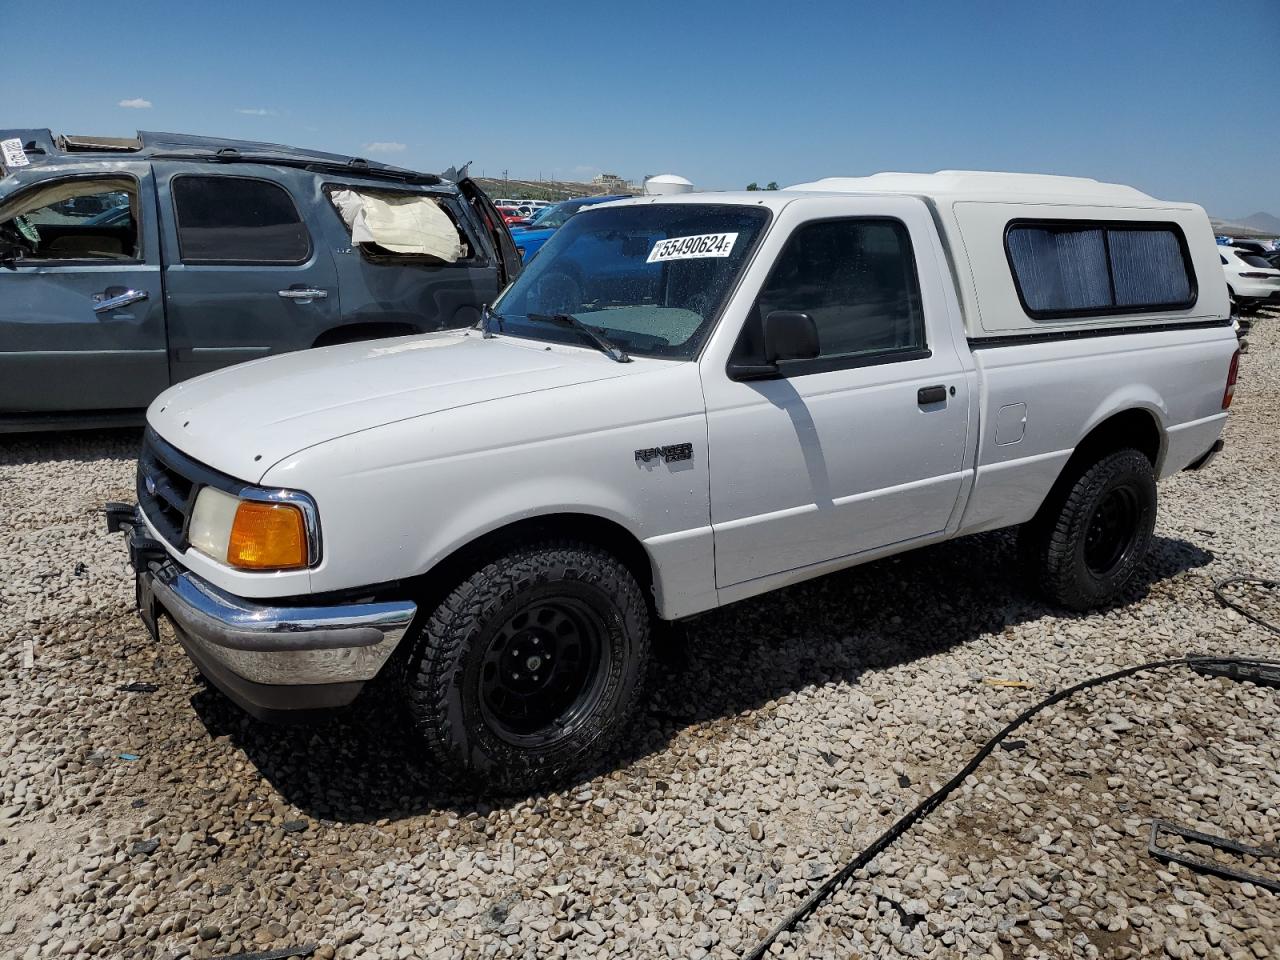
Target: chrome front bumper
column 266, row 657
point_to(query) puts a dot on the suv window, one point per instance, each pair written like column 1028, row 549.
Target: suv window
column 1073, row 269
column 82, row 219
column 237, row 220
column 1254, row 260
column 857, row 280
column 390, row 224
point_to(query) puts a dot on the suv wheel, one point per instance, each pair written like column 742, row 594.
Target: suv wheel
column 1084, row 547
column 531, row 667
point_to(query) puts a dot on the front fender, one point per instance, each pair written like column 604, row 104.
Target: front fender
column 396, row 500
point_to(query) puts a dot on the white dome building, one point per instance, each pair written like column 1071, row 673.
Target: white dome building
column 667, row 183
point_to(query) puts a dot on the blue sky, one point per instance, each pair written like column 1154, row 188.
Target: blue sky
column 1177, row 98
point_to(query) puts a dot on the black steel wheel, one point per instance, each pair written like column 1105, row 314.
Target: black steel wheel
column 543, row 671
column 1112, row 530
column 531, row 667
column 1090, row 537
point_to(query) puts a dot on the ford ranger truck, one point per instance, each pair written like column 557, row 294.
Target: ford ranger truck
column 682, row 402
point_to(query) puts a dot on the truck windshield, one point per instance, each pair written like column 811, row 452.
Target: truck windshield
column 652, row 278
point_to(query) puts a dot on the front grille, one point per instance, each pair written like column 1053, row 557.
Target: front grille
column 165, row 494
column 168, row 481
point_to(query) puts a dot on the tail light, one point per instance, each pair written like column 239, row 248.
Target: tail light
column 1233, row 374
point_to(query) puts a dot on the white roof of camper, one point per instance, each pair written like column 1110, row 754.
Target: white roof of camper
column 971, row 184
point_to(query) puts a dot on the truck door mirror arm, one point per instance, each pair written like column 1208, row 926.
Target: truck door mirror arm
column 788, row 336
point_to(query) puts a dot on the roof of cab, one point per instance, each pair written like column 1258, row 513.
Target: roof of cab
column 42, row 147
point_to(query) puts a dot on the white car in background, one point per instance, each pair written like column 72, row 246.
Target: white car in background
column 1251, row 281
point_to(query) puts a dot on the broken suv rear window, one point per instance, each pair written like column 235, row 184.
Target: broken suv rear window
column 400, row 224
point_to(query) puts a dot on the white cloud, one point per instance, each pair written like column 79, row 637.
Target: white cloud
column 385, row 146
column 137, row 103
column 256, row 111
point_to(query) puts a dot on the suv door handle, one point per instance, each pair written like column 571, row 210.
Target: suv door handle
column 307, row 294
column 109, row 300
column 934, row 394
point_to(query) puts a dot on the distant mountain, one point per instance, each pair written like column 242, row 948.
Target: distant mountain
column 1263, row 221
column 1254, row 226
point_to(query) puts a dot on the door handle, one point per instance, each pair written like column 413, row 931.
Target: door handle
column 934, row 394
column 107, row 301
column 307, row 294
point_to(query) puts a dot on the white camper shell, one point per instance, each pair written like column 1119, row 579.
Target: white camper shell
column 975, row 210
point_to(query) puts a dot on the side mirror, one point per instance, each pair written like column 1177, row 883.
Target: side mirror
column 789, row 335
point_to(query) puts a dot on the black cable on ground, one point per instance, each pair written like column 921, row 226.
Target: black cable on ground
column 930, row 803
column 1245, row 611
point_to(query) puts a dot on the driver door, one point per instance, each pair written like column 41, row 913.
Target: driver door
column 81, row 310
column 861, row 447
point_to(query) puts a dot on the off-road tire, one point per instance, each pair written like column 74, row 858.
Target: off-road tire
column 1053, row 546
column 443, row 674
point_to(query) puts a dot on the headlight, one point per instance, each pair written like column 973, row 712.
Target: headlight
column 275, row 532
column 211, row 520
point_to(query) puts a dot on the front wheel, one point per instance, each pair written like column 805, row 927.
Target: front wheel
column 530, row 667
column 1084, row 547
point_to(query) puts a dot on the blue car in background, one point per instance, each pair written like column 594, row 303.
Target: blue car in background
column 529, row 240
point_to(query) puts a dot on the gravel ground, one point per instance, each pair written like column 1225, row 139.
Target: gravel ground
column 791, row 731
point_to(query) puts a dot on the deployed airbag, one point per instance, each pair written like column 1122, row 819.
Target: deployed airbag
column 414, row 225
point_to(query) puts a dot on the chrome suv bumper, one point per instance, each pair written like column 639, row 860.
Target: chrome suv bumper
column 267, row 658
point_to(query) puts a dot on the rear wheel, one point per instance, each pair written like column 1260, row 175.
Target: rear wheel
column 530, row 667
column 1084, row 546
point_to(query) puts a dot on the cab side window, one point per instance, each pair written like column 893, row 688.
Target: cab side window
column 238, row 220
column 74, row 220
column 857, row 279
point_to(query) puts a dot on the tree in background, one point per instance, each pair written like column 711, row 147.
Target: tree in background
column 773, row 185
column 753, row 185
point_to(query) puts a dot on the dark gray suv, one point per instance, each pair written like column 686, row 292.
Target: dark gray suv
column 129, row 265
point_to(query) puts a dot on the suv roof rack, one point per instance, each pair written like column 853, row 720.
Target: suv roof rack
column 43, row 147
column 77, row 144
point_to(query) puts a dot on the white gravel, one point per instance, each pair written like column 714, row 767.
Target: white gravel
column 797, row 728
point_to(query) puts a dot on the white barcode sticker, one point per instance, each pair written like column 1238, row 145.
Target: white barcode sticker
column 12, row 153
column 688, row 248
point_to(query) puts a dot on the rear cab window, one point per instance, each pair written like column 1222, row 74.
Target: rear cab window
column 244, row 220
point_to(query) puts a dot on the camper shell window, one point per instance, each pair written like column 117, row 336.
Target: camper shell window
column 1077, row 268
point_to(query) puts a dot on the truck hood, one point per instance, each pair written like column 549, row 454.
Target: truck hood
column 244, row 419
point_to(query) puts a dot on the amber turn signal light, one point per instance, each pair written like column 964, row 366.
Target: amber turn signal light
column 267, row 536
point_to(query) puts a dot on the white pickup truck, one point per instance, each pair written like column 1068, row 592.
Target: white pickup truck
column 682, row 402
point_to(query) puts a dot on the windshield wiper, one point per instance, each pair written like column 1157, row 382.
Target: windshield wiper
column 610, row 350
